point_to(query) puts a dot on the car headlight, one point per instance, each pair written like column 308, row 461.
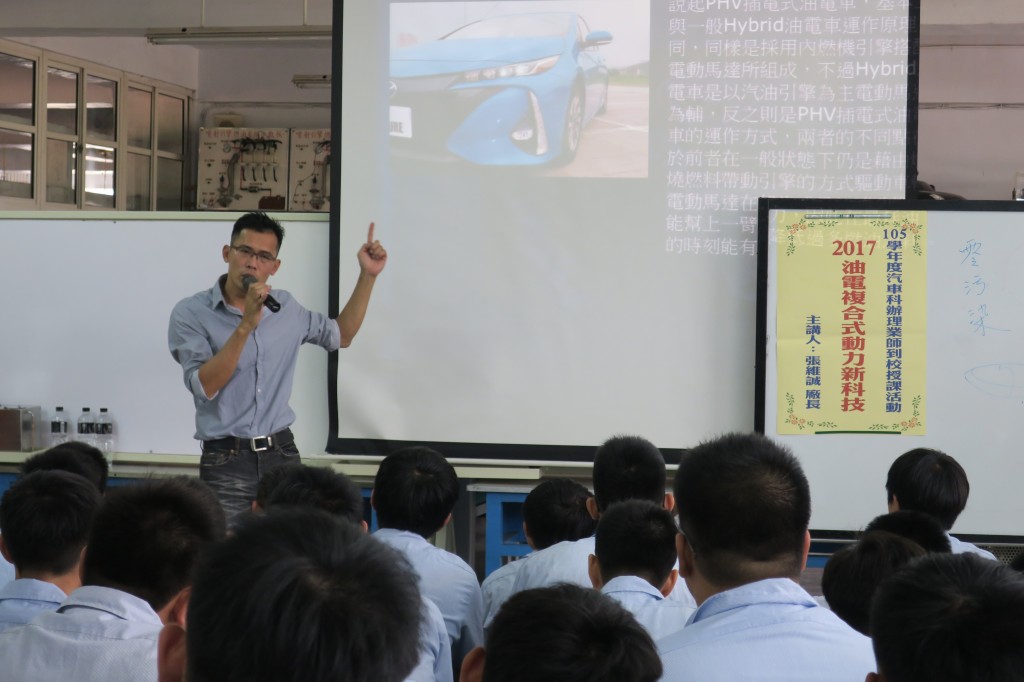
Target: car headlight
column 510, row 70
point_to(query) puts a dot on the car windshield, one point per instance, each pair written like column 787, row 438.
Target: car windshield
column 516, row 26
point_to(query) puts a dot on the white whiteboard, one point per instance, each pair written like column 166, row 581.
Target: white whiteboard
column 91, row 295
column 975, row 382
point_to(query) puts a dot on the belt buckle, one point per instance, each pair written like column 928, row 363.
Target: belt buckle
column 255, row 443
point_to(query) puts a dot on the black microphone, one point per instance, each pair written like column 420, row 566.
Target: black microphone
column 271, row 302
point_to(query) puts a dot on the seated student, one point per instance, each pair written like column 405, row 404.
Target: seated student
column 854, row 572
column 625, row 468
column 563, row 634
column 744, row 507
column 918, row 527
column 135, row 577
column 554, row 511
column 943, row 617
column 932, row 482
column 74, row 456
column 414, row 493
column 635, row 551
column 45, row 518
column 296, row 596
column 301, row 486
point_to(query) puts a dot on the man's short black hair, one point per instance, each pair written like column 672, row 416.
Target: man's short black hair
column 147, row 537
column 854, row 572
column 930, row 481
column 950, row 617
column 415, row 490
column 636, row 537
column 258, row 221
column 299, row 595
column 744, row 506
column 320, row 488
column 74, row 456
column 628, row 468
column 567, row 633
column 45, row 519
column 556, row 510
column 269, row 480
column 922, row 528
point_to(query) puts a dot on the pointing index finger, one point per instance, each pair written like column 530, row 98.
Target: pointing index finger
column 369, row 235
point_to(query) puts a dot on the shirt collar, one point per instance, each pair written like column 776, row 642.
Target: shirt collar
column 115, row 602
column 769, row 591
column 29, row 588
column 631, row 583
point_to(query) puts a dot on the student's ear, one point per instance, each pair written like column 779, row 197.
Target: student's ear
column 3, row 550
column 171, row 656
column 875, row 677
column 594, row 570
column 894, row 504
column 670, row 502
column 373, row 502
column 592, row 508
column 670, row 583
column 447, row 520
column 255, row 507
column 806, row 550
column 176, row 610
column 472, row 666
column 365, row 525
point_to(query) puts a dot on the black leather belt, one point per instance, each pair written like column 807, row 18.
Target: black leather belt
column 257, row 444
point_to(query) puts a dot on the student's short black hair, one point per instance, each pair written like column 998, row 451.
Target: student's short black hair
column 930, row 481
column 147, row 537
column 45, row 519
column 628, row 468
column 923, row 529
column 298, row 595
column 744, row 506
column 854, row 572
column 74, row 456
column 567, row 633
column 320, row 488
column 415, row 490
column 258, row 221
column 950, row 617
column 636, row 537
column 556, row 510
column 269, row 480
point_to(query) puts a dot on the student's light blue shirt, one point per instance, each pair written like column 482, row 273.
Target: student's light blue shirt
column 766, row 630
column 255, row 400
column 24, row 599
column 661, row 617
column 450, row 583
column 98, row 633
column 435, row 664
column 497, row 587
column 962, row 547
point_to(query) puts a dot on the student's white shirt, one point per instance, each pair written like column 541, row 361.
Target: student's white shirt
column 962, row 547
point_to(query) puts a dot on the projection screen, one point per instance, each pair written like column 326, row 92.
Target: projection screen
column 568, row 195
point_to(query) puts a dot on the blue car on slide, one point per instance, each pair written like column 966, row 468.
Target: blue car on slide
column 513, row 90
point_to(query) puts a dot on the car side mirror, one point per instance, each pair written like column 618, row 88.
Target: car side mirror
column 598, row 38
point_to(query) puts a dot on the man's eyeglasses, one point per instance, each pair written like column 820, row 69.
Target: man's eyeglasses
column 263, row 256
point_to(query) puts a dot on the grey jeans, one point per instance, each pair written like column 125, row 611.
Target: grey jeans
column 234, row 472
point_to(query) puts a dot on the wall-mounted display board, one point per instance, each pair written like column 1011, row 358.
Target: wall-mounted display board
column 243, row 169
column 309, row 170
column 885, row 326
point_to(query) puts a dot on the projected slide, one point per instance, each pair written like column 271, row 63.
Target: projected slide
column 568, row 192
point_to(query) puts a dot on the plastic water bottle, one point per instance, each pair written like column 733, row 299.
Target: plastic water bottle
column 87, row 427
column 105, row 433
column 58, row 427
